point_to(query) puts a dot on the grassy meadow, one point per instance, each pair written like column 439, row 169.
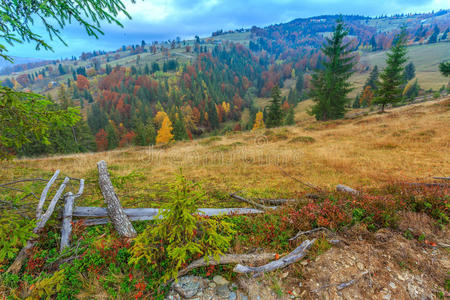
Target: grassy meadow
column 406, row 144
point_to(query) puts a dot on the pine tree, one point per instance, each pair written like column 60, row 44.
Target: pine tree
column 390, row 90
column 274, row 114
column 372, row 81
column 330, row 85
column 444, row 68
column 410, row 72
column 165, row 132
column 290, row 120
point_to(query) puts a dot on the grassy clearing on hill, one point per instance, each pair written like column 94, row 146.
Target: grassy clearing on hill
column 406, row 144
column 426, row 59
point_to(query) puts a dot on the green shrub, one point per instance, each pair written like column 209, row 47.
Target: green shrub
column 15, row 230
column 180, row 233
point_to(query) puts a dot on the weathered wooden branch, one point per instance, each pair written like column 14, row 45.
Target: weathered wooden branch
column 277, row 201
column 310, row 185
column 300, row 233
column 427, row 184
column 292, row 257
column 253, row 203
column 228, row 259
column 44, row 194
column 66, row 229
column 115, row 211
column 442, row 178
column 18, row 262
column 145, row 214
column 346, row 189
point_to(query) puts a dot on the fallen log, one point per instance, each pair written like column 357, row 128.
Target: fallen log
column 310, row 185
column 18, row 262
column 277, row 201
column 442, row 178
column 146, row 214
column 115, row 211
column 292, row 257
column 66, row 228
column 228, row 259
column 260, row 206
column 44, row 194
column 346, row 189
column 427, row 184
column 300, row 233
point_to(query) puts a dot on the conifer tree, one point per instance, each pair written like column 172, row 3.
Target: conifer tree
column 274, row 114
column 444, row 67
column 331, row 85
column 410, row 72
column 165, row 132
column 390, row 90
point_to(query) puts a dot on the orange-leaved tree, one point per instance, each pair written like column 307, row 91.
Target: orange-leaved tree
column 165, row 132
column 259, row 122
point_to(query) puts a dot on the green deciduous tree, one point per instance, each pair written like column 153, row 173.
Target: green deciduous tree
column 25, row 114
column 390, row 90
column 330, row 86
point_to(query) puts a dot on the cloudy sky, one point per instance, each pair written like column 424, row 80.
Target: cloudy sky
column 167, row 19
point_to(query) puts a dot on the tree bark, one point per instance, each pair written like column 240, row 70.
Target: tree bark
column 228, row 259
column 44, row 194
column 66, row 229
column 292, row 257
column 115, row 211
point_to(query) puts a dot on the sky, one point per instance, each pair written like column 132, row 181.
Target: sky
column 166, row 19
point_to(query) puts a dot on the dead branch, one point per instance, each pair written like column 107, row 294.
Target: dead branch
column 228, row 259
column 346, row 189
column 115, row 211
column 310, row 185
column 300, row 233
column 66, row 229
column 277, row 201
column 22, row 180
column 44, row 194
column 260, row 206
column 145, row 214
column 341, row 286
column 427, row 184
column 442, row 178
column 292, row 257
column 18, row 262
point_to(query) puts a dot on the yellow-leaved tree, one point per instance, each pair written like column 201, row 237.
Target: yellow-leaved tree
column 165, row 132
column 259, row 122
column 159, row 118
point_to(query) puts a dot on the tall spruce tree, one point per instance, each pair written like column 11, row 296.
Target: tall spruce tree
column 410, row 72
column 331, row 85
column 390, row 90
column 274, row 114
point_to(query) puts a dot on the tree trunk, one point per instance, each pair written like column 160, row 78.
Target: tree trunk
column 114, row 208
column 66, row 229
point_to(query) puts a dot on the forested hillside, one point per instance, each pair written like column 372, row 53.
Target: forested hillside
column 211, row 85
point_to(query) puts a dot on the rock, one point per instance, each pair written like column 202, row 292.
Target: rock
column 219, row 280
column 232, row 296
column 387, row 297
column 392, row 285
column 212, row 285
column 223, row 291
column 360, row 266
column 188, row 286
column 304, row 263
column 400, row 277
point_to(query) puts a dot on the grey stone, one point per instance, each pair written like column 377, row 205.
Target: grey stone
column 219, row 280
column 392, row 285
column 188, row 286
column 223, row 291
column 232, row 296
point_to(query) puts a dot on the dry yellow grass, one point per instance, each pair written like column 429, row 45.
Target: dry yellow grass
column 409, row 143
